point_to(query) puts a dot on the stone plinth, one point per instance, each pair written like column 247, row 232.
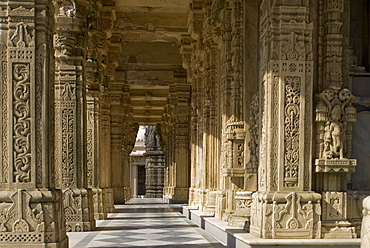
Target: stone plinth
column 241, row 216
column 77, row 210
column 291, row 215
column 335, row 165
column 32, row 218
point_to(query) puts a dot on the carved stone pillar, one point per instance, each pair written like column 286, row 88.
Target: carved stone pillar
column 70, row 118
column 334, row 117
column 225, row 71
column 92, row 150
column 117, row 143
column 105, row 168
column 31, row 207
column 130, row 131
column 154, row 164
column 247, row 21
column 195, row 171
column 233, row 169
column 285, row 206
column 177, row 178
column 243, row 199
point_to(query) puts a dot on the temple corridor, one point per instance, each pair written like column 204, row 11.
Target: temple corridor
column 253, row 113
column 144, row 222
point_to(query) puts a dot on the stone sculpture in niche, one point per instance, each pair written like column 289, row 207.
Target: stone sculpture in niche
column 66, row 7
column 333, row 137
column 336, row 111
column 353, row 62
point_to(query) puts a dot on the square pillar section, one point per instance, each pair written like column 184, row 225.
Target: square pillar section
column 284, row 206
column 31, row 207
column 70, row 117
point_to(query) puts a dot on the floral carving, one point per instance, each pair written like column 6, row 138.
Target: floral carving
column 5, row 156
column 68, row 161
column 253, row 130
column 292, row 117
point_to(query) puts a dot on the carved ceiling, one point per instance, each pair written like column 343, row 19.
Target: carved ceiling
column 149, row 33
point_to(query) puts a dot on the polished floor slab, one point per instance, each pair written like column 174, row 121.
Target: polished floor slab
column 145, row 222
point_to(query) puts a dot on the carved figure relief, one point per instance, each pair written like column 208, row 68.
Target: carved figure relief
column 334, row 111
column 66, row 7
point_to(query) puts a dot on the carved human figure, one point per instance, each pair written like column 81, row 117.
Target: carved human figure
column 66, row 7
column 352, row 61
column 333, row 147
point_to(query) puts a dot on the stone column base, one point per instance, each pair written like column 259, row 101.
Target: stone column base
column 154, row 192
column 335, row 224
column 118, row 195
column 241, row 216
column 32, row 218
column 220, row 204
column 108, row 200
column 100, row 212
column 210, row 202
column 176, row 194
column 286, row 215
column 194, row 197
column 78, row 210
column 127, row 194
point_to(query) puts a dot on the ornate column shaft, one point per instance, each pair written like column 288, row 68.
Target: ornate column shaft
column 284, row 204
column 92, row 150
column 224, row 108
column 154, row 164
column 130, row 131
column 105, row 168
column 194, row 191
column 177, row 178
column 334, row 118
column 233, row 169
column 70, row 117
column 117, row 143
column 31, row 207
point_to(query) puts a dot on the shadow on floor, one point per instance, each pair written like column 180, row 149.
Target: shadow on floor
column 155, row 226
column 146, row 217
column 147, row 210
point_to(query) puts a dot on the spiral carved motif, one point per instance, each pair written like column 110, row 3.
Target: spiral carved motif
column 22, row 122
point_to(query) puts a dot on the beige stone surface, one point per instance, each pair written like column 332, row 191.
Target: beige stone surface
column 253, row 104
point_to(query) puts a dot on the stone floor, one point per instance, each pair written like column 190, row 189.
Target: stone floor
column 145, row 223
